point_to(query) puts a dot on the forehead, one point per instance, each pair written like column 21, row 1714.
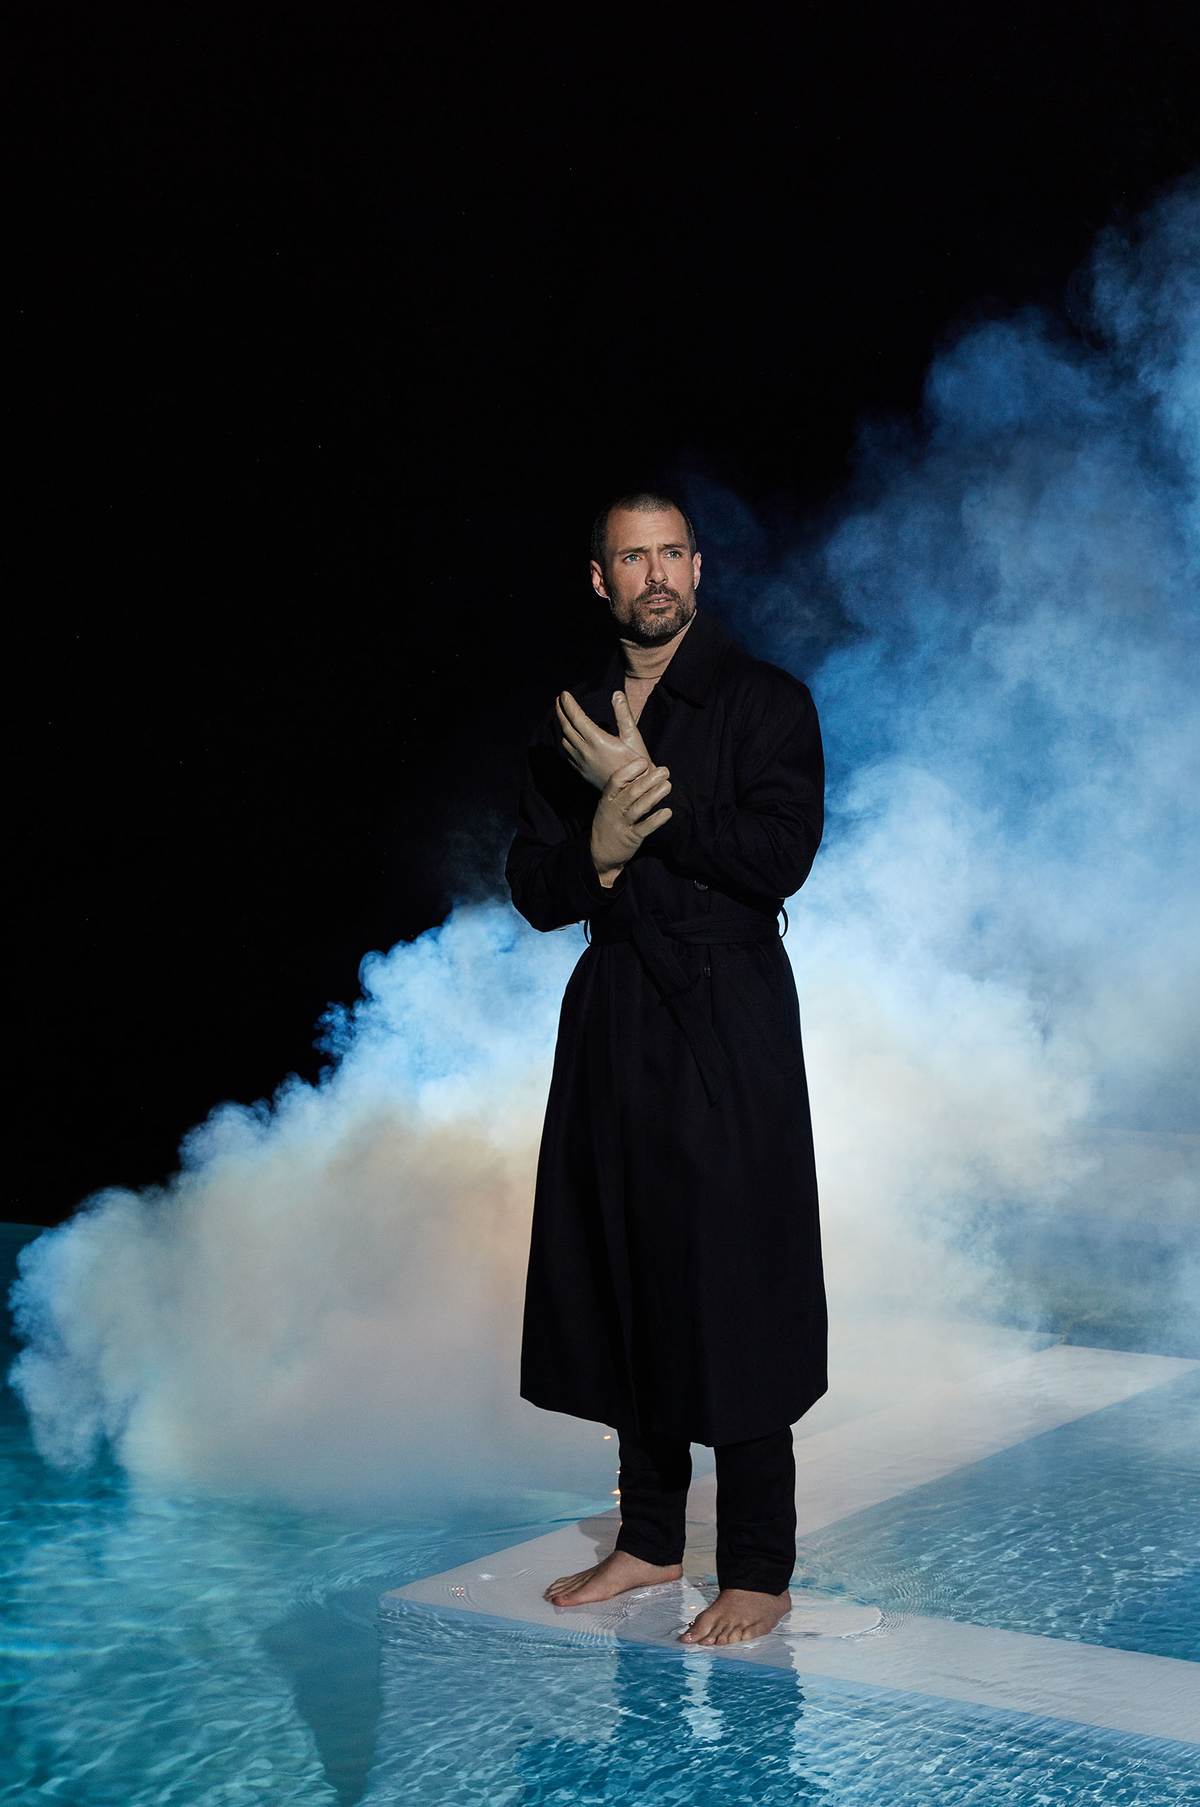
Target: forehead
column 645, row 527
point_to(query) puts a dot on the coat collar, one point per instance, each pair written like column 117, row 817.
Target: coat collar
column 691, row 667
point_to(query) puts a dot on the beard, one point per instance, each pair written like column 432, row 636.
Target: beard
column 648, row 626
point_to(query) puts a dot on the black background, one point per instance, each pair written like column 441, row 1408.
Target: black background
column 328, row 332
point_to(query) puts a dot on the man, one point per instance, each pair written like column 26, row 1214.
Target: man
column 675, row 1288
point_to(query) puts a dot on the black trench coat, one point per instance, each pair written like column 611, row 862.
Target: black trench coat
column 675, row 1280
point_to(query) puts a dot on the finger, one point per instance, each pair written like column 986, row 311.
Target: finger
column 627, row 728
column 566, row 720
column 573, row 711
column 570, row 731
column 637, row 808
column 583, row 733
column 625, row 774
column 658, row 777
column 638, row 804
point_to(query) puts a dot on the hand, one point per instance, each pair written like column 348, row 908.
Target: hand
column 621, row 823
column 595, row 753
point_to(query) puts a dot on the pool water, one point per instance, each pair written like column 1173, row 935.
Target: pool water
column 187, row 1650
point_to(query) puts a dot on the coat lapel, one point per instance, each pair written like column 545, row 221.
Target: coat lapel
column 689, row 674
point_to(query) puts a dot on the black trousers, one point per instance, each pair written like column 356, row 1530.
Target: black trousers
column 756, row 1505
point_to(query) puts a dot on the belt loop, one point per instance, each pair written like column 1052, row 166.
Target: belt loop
column 784, row 930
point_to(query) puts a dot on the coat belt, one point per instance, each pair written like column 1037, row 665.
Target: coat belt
column 675, row 987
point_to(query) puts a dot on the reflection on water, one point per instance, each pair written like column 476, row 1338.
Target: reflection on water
column 191, row 1650
column 559, row 1722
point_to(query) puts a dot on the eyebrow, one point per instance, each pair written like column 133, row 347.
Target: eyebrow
column 667, row 547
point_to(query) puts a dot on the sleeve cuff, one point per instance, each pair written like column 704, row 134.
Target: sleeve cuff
column 670, row 840
column 589, row 879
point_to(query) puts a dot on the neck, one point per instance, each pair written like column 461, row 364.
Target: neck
column 649, row 662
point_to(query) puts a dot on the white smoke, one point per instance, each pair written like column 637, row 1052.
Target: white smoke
column 995, row 953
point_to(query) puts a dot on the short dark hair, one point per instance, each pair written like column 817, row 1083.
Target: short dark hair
column 644, row 500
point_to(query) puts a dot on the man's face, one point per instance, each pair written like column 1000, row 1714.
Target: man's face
column 650, row 581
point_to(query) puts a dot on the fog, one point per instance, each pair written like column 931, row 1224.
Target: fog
column 995, row 953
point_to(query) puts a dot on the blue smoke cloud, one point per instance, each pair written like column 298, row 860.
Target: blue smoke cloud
column 995, row 953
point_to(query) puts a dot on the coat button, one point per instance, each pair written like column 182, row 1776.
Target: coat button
column 707, row 971
column 700, row 884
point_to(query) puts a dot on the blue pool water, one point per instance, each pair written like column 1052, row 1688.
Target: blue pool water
column 189, row 1651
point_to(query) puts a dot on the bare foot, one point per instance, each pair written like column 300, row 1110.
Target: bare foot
column 735, row 1614
column 615, row 1575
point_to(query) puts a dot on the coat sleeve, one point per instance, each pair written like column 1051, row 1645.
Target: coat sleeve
column 768, row 839
column 550, row 873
